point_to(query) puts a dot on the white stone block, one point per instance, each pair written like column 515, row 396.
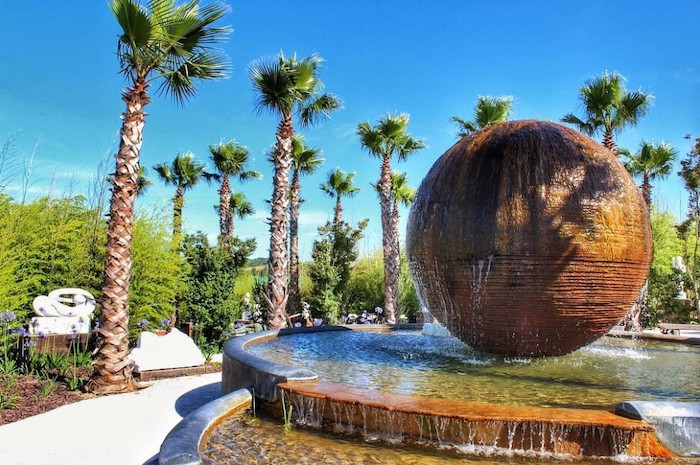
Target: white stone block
column 174, row 350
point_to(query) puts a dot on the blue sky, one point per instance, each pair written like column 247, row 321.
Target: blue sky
column 60, row 87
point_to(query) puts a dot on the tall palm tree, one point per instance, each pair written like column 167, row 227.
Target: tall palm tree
column 184, row 173
column 608, row 108
column 286, row 87
column 387, row 138
column 229, row 160
column 337, row 186
column 239, row 207
column 174, row 45
column 650, row 162
column 401, row 194
column 489, row 110
column 305, row 160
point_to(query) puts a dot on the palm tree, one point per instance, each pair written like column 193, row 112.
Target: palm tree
column 608, row 108
column 305, row 160
column 387, row 138
column 184, row 173
column 171, row 44
column 239, row 207
column 229, row 160
column 286, row 87
column 489, row 110
column 401, row 194
column 337, row 186
column 650, row 162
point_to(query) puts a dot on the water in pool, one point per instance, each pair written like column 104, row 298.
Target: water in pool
column 597, row 376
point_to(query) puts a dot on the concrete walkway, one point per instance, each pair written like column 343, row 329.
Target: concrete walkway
column 122, row 429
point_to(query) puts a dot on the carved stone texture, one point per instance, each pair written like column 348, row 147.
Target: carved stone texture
column 528, row 238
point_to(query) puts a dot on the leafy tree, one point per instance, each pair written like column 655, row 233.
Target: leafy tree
column 690, row 229
column 608, row 108
column 157, row 273
column 650, row 162
column 229, row 159
column 489, row 111
column 305, row 160
column 387, row 138
column 332, row 259
column 172, row 44
column 286, row 87
column 337, row 186
column 184, row 173
column 664, row 281
column 210, row 300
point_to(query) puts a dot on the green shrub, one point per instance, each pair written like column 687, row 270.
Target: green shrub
column 210, row 301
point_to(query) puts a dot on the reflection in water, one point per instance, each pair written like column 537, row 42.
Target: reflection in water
column 599, row 375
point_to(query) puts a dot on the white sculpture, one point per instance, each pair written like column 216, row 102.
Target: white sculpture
column 56, row 315
column 54, row 305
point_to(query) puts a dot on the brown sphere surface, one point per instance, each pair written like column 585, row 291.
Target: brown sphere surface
column 528, row 238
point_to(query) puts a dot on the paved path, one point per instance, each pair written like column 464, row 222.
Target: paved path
column 122, row 429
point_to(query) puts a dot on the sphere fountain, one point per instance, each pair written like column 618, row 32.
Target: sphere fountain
column 527, row 240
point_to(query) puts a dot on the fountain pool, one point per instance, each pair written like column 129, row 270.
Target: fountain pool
column 609, row 371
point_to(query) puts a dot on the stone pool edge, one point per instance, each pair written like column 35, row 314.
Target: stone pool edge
column 240, row 369
column 181, row 445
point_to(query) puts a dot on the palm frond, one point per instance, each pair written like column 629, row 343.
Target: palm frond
column 318, row 108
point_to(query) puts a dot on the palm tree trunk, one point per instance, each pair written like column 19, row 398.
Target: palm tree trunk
column 338, row 212
column 391, row 277
column 396, row 249
column 113, row 368
column 277, row 264
column 609, row 141
column 294, row 302
column 646, row 190
column 178, row 205
column 225, row 223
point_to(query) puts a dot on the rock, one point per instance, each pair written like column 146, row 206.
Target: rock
column 174, row 350
column 59, row 325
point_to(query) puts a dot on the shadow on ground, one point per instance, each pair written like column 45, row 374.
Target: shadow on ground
column 191, row 401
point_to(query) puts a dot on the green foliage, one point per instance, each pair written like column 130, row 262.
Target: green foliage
column 366, row 287
column 156, row 274
column 44, row 243
column 209, row 300
column 664, row 281
column 333, row 257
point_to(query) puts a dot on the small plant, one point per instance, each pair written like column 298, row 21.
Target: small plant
column 7, row 365
column 8, row 392
column 73, row 382
column 143, row 324
column 287, row 413
column 46, row 387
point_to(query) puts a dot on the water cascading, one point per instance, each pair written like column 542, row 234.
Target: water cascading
column 528, row 238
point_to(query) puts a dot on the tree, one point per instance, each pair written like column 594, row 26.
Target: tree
column 184, row 173
column 387, row 138
column 174, row 45
column 337, row 186
column 239, row 207
column 608, row 108
column 690, row 172
column 286, row 87
column 489, row 110
column 332, row 258
column 305, row 160
column 650, row 162
column 229, row 160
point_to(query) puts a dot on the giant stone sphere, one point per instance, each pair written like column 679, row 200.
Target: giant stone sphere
column 528, row 238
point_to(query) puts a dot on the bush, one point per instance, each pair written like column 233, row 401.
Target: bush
column 333, row 256
column 210, row 301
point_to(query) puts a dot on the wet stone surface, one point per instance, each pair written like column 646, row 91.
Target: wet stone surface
column 242, row 439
